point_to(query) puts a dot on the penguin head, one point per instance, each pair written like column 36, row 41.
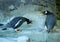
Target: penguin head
column 46, row 12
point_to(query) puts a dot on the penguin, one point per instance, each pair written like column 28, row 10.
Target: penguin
column 50, row 20
column 15, row 23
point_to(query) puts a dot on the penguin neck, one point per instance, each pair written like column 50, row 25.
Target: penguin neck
column 51, row 14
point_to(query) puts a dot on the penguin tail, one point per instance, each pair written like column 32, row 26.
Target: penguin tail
column 1, row 24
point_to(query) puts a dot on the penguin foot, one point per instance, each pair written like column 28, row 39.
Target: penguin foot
column 18, row 30
column 48, row 31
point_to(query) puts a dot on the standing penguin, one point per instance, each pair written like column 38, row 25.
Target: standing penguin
column 50, row 20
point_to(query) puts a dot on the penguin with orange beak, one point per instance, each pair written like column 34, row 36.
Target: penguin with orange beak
column 15, row 23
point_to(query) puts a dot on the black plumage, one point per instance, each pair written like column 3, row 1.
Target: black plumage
column 15, row 23
column 50, row 20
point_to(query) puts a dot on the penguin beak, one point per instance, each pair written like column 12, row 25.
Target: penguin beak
column 41, row 14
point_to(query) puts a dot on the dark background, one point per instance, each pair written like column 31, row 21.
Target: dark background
column 4, row 6
column 58, row 8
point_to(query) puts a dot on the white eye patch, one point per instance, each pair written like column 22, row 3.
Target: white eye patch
column 45, row 12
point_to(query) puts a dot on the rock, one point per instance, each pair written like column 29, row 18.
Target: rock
column 22, row 39
column 5, row 40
